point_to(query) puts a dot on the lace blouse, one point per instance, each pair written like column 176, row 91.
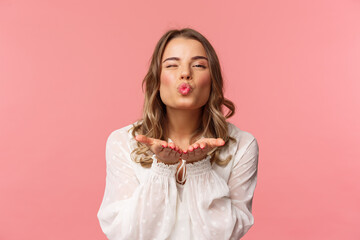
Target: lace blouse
column 148, row 203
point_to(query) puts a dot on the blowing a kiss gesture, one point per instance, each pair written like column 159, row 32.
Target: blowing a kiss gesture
column 169, row 153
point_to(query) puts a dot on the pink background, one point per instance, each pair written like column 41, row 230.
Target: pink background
column 71, row 72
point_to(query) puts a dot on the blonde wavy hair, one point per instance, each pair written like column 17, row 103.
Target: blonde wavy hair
column 213, row 124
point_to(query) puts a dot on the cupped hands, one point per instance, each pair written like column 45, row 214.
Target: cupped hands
column 169, row 153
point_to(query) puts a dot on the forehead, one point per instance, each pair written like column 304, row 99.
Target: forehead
column 183, row 48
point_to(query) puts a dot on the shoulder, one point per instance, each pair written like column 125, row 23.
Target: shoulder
column 122, row 134
column 119, row 147
column 244, row 140
column 239, row 134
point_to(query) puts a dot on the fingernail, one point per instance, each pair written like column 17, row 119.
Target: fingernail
column 163, row 145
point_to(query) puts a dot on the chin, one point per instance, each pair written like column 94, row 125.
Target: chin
column 187, row 106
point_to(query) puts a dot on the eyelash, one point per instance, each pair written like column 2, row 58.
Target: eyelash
column 202, row 66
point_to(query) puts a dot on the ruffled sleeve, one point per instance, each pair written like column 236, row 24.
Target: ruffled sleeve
column 131, row 209
column 220, row 209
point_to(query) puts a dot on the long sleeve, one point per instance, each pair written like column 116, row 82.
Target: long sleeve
column 220, row 209
column 131, row 209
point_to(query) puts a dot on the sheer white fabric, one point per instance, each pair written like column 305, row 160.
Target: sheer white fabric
column 147, row 203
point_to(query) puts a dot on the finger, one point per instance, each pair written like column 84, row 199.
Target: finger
column 177, row 148
column 206, row 149
column 199, row 152
column 203, row 145
column 164, row 144
column 191, row 151
column 220, row 142
column 144, row 139
column 197, row 149
column 172, row 145
column 184, row 154
column 178, row 151
column 190, row 148
column 216, row 142
column 158, row 147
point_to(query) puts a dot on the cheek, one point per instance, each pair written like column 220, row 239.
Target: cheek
column 204, row 81
column 166, row 86
column 165, row 80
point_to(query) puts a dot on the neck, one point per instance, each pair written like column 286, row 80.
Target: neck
column 182, row 123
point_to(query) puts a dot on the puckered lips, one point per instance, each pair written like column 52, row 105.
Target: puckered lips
column 184, row 89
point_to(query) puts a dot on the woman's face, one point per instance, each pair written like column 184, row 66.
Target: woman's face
column 185, row 81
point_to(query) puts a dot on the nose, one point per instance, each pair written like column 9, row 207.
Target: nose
column 185, row 74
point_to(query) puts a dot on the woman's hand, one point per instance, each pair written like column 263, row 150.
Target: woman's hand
column 198, row 150
column 165, row 152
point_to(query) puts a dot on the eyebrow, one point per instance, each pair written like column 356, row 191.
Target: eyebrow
column 193, row 58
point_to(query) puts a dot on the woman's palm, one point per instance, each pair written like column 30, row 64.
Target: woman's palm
column 198, row 150
column 170, row 153
column 165, row 152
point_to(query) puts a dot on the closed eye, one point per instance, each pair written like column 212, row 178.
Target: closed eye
column 202, row 66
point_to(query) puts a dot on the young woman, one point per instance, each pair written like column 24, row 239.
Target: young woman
column 181, row 171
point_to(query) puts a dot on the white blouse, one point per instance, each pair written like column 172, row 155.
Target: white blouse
column 148, row 203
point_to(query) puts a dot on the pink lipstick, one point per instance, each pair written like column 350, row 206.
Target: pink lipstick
column 184, row 89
